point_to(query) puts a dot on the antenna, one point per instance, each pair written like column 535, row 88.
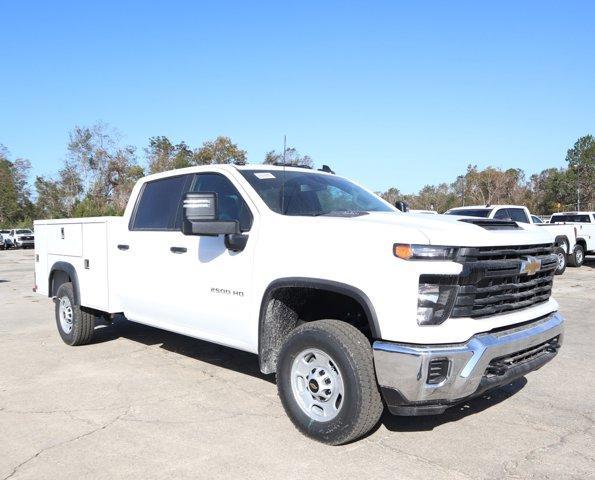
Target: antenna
column 283, row 179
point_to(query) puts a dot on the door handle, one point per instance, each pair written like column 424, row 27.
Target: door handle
column 123, row 247
column 178, row 249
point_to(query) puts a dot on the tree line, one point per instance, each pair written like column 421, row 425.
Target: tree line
column 98, row 173
column 552, row 190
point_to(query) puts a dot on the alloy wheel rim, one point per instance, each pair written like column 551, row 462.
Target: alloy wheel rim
column 561, row 260
column 66, row 314
column 317, row 385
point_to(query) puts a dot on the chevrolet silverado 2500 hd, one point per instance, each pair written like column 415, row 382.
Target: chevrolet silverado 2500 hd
column 564, row 236
column 350, row 302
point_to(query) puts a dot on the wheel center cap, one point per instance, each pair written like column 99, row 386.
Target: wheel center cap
column 313, row 386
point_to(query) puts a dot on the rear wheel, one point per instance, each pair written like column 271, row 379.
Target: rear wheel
column 75, row 325
column 326, row 381
column 578, row 257
column 562, row 260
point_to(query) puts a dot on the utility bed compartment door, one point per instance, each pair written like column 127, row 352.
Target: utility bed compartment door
column 93, row 275
column 65, row 239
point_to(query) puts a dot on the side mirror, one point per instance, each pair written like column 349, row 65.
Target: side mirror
column 200, row 216
column 403, row 206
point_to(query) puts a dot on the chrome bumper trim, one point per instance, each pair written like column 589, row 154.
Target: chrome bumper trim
column 404, row 367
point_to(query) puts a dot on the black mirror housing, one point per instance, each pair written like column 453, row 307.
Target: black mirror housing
column 200, row 216
column 236, row 242
column 403, row 206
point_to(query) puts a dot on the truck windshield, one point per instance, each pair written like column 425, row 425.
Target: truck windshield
column 471, row 212
column 570, row 218
column 23, row 232
column 312, row 194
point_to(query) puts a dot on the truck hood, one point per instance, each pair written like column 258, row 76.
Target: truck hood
column 442, row 230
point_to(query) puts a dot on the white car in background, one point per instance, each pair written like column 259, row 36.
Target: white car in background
column 5, row 241
column 22, row 238
column 584, row 222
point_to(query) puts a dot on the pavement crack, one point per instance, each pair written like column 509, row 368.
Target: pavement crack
column 447, row 469
column 16, row 469
column 533, row 454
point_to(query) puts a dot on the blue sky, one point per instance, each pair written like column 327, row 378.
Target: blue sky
column 387, row 93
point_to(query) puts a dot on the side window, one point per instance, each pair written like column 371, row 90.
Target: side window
column 230, row 203
column 518, row 215
column 157, row 208
column 502, row 214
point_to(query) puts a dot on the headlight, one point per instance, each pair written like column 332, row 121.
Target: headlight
column 423, row 252
column 434, row 301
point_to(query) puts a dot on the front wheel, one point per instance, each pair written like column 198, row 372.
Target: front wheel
column 561, row 254
column 326, row 381
column 578, row 257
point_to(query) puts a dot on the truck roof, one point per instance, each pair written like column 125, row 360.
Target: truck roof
column 580, row 212
column 229, row 168
column 488, row 206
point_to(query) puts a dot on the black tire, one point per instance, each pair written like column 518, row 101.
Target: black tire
column 562, row 260
column 578, row 257
column 82, row 322
column 360, row 408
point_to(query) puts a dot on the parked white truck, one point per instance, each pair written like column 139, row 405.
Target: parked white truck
column 350, row 302
column 584, row 223
column 564, row 236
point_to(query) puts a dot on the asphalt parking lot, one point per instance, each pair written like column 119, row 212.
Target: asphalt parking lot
column 144, row 403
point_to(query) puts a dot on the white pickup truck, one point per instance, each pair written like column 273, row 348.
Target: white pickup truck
column 584, row 223
column 564, row 236
column 353, row 304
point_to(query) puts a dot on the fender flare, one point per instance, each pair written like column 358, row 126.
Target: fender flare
column 71, row 272
column 320, row 284
column 582, row 242
column 561, row 239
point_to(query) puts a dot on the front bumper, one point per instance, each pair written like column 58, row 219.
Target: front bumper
column 486, row 361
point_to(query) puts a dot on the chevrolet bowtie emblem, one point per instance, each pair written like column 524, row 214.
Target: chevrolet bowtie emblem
column 530, row 265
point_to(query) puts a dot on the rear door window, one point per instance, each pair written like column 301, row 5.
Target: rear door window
column 518, row 215
column 502, row 214
column 159, row 203
column 571, row 218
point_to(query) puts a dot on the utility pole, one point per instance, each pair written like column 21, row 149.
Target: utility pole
column 578, row 198
column 283, row 181
column 284, row 147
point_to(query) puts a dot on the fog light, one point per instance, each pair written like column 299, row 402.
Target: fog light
column 437, row 371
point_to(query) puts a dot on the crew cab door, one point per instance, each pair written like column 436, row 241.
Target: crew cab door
column 142, row 255
column 185, row 283
column 214, row 288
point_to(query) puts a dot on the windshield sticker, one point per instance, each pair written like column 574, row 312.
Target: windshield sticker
column 264, row 175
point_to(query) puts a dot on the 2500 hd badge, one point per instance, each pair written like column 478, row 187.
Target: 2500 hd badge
column 227, row 291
